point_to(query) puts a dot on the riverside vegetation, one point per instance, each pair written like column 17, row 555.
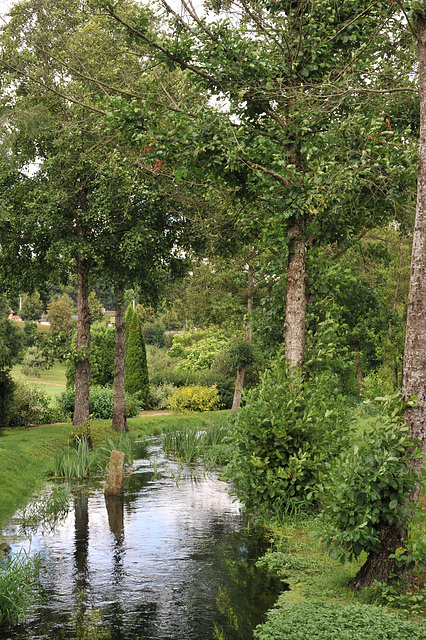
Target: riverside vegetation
column 319, row 596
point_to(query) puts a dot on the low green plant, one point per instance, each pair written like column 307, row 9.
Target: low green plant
column 193, row 399
column 31, row 406
column 101, row 403
column 19, row 586
column 286, row 436
column 326, row 621
column 158, row 396
column 397, row 595
column 369, row 490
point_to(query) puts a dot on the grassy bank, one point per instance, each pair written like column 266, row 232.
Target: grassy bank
column 53, row 381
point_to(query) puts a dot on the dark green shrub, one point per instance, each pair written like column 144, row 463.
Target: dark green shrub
column 323, row 621
column 101, row 403
column 136, row 376
column 286, row 435
column 31, row 406
column 102, row 352
column 369, row 488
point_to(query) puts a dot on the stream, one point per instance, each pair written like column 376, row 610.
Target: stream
column 173, row 560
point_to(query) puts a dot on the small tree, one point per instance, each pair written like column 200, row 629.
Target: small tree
column 32, row 307
column 59, row 316
column 136, row 375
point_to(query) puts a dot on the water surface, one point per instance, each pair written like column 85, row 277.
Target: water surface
column 173, row 560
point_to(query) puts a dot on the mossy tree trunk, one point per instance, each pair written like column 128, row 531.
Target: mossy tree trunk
column 380, row 566
column 119, row 421
column 82, row 361
column 295, row 311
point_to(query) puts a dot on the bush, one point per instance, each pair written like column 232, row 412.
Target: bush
column 323, row 621
column 287, row 434
column 158, row 397
column 102, row 353
column 197, row 398
column 101, row 403
column 31, row 406
column 206, row 378
column 198, row 348
column 377, row 383
column 34, row 362
column 369, row 489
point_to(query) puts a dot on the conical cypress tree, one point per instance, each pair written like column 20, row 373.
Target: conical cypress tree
column 136, row 376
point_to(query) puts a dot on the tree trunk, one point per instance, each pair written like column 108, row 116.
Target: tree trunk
column 119, row 421
column 358, row 367
column 239, row 384
column 414, row 369
column 82, row 364
column 380, row 566
column 295, row 312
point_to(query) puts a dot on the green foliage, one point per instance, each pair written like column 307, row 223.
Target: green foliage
column 286, row 436
column 198, row 348
column 400, row 594
column 80, row 461
column 102, row 352
column 378, row 384
column 158, row 396
column 241, row 354
column 95, row 308
column 370, row 486
column 34, row 362
column 59, row 316
column 6, row 393
column 193, row 399
column 19, row 586
column 324, row 621
column 32, row 307
column 101, row 403
column 30, row 406
column 136, row 375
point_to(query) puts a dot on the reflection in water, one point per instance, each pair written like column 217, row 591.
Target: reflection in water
column 169, row 561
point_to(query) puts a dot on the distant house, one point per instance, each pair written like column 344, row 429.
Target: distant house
column 14, row 316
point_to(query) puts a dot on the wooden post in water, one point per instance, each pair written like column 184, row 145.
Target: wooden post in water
column 114, row 485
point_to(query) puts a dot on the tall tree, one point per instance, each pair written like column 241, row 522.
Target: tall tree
column 284, row 71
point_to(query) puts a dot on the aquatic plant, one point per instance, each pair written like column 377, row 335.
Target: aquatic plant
column 19, row 586
column 48, row 510
column 80, row 461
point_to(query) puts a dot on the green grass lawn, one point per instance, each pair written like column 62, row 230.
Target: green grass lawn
column 53, row 380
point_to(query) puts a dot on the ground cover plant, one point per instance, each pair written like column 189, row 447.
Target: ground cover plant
column 334, row 621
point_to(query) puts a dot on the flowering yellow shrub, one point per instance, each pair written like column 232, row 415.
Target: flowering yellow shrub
column 195, row 398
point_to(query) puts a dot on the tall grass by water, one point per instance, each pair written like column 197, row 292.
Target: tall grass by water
column 80, row 461
column 19, row 586
column 190, row 444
